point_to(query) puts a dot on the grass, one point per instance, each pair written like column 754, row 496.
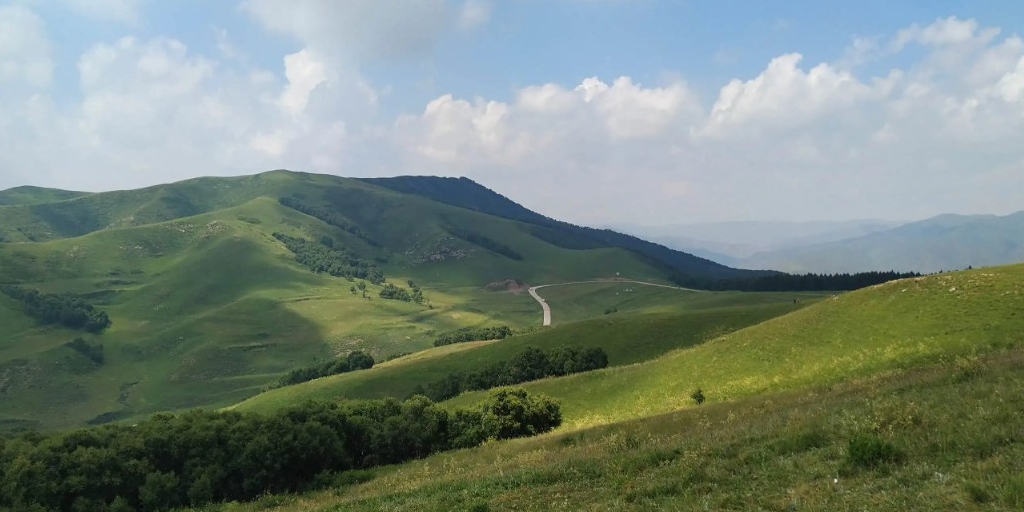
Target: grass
column 574, row 302
column 886, row 328
column 956, row 424
column 626, row 338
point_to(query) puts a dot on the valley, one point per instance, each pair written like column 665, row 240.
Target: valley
column 217, row 288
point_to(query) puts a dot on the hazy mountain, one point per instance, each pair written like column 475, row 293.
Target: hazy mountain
column 730, row 242
column 945, row 242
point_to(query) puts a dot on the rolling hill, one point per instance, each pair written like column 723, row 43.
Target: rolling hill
column 946, row 242
column 904, row 396
column 209, row 303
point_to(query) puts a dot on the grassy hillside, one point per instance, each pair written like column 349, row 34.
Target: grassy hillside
column 885, row 328
column 953, row 430
column 903, row 397
column 626, row 338
column 208, row 306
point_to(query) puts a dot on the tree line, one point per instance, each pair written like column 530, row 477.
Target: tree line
column 89, row 349
column 473, row 334
column 336, row 262
column 356, row 360
column 394, row 292
column 530, row 364
column 202, row 457
column 65, row 309
column 483, row 241
column 328, row 217
column 781, row 282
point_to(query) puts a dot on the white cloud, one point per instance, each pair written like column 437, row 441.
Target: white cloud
column 24, row 48
column 798, row 141
column 304, row 73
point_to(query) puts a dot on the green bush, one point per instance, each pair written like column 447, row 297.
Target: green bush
column 869, row 451
column 509, row 413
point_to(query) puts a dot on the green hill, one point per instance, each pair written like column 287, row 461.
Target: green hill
column 691, row 318
column 36, row 195
column 885, row 328
column 209, row 306
column 905, row 396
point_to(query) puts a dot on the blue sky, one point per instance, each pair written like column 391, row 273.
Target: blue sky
column 594, row 111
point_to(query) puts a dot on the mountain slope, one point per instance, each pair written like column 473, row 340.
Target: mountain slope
column 209, row 305
column 465, row 193
column 946, row 242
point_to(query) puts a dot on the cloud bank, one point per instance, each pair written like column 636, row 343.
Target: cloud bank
column 799, row 140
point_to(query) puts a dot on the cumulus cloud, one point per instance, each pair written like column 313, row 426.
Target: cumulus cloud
column 24, row 48
column 799, row 141
column 796, row 140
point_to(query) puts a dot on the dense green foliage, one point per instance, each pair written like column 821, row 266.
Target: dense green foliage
column 778, row 282
column 88, row 348
column 487, row 243
column 394, row 292
column 530, row 364
column 65, row 309
column 356, row 360
column 327, row 216
column 201, row 457
column 473, row 334
column 334, row 261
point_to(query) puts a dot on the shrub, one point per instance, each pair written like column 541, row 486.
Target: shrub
column 509, row 413
column 698, row 396
column 868, row 451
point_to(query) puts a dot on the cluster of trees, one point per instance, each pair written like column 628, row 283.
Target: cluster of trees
column 328, row 217
column 356, row 360
column 780, row 282
column 473, row 334
column 205, row 457
column 530, row 364
column 65, row 309
column 91, row 350
column 394, row 292
column 487, row 243
column 336, row 262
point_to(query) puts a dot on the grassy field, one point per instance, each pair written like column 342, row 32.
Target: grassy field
column 885, row 328
column 574, row 302
column 906, row 396
column 626, row 338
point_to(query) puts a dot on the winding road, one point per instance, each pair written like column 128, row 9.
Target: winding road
column 547, row 309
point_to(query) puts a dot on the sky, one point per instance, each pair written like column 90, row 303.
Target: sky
column 599, row 112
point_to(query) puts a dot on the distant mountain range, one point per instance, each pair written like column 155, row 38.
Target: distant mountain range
column 945, row 242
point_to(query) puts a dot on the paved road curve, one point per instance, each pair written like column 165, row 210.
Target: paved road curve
column 547, row 309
